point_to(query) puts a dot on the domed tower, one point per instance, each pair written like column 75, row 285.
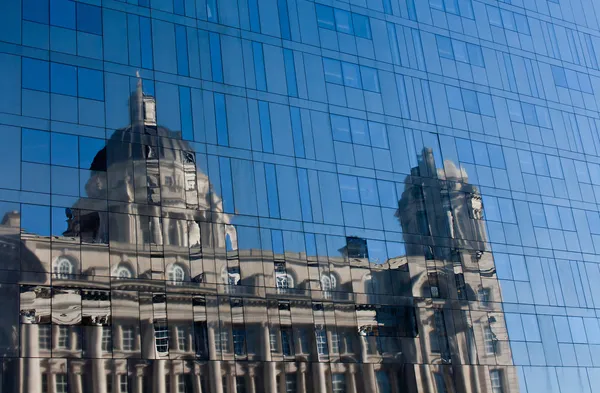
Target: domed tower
column 145, row 189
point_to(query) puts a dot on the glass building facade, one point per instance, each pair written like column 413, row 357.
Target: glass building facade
column 299, row 196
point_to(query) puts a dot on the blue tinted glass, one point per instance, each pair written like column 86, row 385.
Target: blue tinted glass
column 486, row 105
column 378, row 135
column 494, row 16
column 146, row 43
column 412, row 11
column 91, row 84
column 35, row 74
column 333, row 71
column 480, row 153
column 360, row 131
column 496, row 156
column 254, row 15
column 88, row 149
column 35, row 219
column 297, row 132
column 35, row 146
column 475, row 55
column 351, row 75
column 529, row 114
column 465, row 154
column 349, row 188
column 340, row 127
column 182, row 54
column 343, row 21
column 272, row 197
column 387, row 7
column 466, row 8
column 185, row 105
column 63, row 79
column 437, row 4
column 259, row 66
column 62, row 13
column 560, row 78
column 290, row 72
column 89, row 18
column 211, row 11
column 451, row 6
column 521, row 23
column 65, row 150
column 221, row 120
column 215, row 57
column 393, row 37
column 387, row 194
column 459, row 49
column 444, row 45
column 179, row 7
column 508, row 20
column 370, row 80
column 265, row 126
column 226, row 184
column 470, row 101
column 454, row 97
column 368, row 191
column 325, row 16
column 36, row 11
column 284, row 20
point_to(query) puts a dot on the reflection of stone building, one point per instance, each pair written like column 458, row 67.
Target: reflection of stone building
column 149, row 292
column 453, row 269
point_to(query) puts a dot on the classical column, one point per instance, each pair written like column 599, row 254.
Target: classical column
column 270, row 366
column 139, row 379
column 320, row 378
column 251, row 387
column 368, row 372
column 214, row 364
column 158, row 377
column 301, row 378
column 231, row 380
column 197, row 383
column 351, row 379
column 30, row 348
column 98, row 371
column 52, row 382
column 78, row 388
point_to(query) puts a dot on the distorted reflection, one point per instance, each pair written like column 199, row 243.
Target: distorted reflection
column 151, row 286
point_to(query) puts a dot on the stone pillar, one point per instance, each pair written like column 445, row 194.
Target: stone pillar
column 368, row 372
column 215, row 379
column 270, row 366
column 351, row 379
column 138, row 386
column 52, row 382
column 197, row 388
column 301, row 378
column 251, row 388
column 30, row 368
column 78, row 388
column 320, row 378
column 158, row 377
column 98, row 371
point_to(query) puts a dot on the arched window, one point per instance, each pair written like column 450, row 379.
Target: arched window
column 122, row 271
column 231, row 275
column 63, row 268
column 328, row 282
column 176, row 274
column 284, row 281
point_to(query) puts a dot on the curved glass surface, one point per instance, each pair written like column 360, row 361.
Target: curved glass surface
column 297, row 196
